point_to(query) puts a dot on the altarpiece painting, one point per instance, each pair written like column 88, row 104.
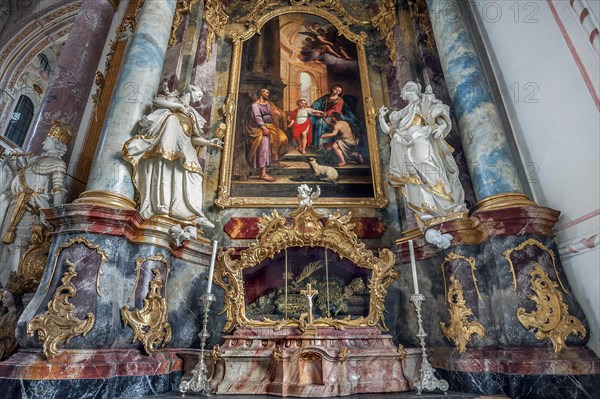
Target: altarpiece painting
column 303, row 76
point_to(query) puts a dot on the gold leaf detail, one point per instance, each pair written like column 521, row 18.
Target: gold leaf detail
column 58, row 324
column 306, row 229
column 150, row 324
column 551, row 317
column 460, row 330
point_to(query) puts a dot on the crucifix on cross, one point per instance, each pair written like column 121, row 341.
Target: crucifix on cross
column 309, row 293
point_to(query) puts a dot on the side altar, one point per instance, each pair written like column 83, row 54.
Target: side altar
column 307, row 323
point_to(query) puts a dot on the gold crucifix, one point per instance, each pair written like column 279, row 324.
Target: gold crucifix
column 309, row 293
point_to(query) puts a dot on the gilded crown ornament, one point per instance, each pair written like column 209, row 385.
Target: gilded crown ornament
column 60, row 131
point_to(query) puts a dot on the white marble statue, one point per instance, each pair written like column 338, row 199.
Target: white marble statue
column 306, row 195
column 166, row 171
column 421, row 162
column 39, row 183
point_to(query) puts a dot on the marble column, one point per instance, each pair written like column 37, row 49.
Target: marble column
column 109, row 182
column 67, row 95
column 493, row 172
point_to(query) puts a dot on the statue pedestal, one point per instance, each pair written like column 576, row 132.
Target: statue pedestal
column 330, row 363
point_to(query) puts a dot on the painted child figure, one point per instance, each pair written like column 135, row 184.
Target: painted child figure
column 301, row 125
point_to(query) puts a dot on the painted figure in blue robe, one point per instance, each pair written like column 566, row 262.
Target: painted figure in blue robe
column 330, row 103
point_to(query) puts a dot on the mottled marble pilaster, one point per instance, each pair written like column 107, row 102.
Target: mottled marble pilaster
column 132, row 96
column 490, row 162
column 67, row 95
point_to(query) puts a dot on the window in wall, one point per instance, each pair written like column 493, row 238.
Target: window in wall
column 306, row 86
column 44, row 64
column 20, row 121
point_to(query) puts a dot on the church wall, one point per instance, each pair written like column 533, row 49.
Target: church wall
column 548, row 77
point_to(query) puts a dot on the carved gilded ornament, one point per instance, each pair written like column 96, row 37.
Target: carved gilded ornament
column 58, row 324
column 401, row 352
column 420, row 14
column 451, row 257
column 385, row 22
column 343, row 355
column 551, row 317
column 520, row 247
column 215, row 19
column 87, row 243
column 150, row 324
column 254, row 20
column 34, row 260
column 215, row 353
column 139, row 263
column 460, row 330
column 183, row 7
column 277, row 355
column 305, row 230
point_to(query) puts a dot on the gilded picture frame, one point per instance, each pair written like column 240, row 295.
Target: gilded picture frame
column 229, row 194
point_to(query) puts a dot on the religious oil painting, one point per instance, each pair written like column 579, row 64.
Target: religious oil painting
column 298, row 100
column 299, row 281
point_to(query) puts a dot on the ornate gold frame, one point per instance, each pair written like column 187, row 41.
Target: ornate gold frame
column 253, row 26
column 306, row 229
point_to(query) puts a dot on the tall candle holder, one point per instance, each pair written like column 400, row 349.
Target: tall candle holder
column 427, row 381
column 199, row 382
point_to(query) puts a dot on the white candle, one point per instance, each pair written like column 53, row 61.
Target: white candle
column 213, row 257
column 413, row 266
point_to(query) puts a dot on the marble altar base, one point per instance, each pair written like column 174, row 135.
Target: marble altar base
column 521, row 373
column 89, row 373
column 329, row 363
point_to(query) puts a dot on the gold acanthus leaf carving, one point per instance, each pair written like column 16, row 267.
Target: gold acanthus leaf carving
column 305, row 230
column 34, row 260
column 150, row 324
column 551, row 317
column 183, row 7
column 460, row 330
column 58, row 324
column 215, row 19
column 386, row 21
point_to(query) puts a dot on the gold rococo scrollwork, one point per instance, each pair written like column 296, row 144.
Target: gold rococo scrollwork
column 551, row 317
column 251, row 15
column 520, row 247
column 305, row 230
column 215, row 19
column 150, row 324
column 385, row 22
column 183, row 7
column 460, row 330
column 254, row 22
column 58, row 324
column 87, row 243
column 470, row 261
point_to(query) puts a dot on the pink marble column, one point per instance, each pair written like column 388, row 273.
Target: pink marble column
column 69, row 90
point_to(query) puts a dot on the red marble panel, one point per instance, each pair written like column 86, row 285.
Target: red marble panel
column 246, row 228
column 79, row 364
column 528, row 361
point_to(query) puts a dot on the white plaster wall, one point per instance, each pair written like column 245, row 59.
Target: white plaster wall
column 556, row 123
